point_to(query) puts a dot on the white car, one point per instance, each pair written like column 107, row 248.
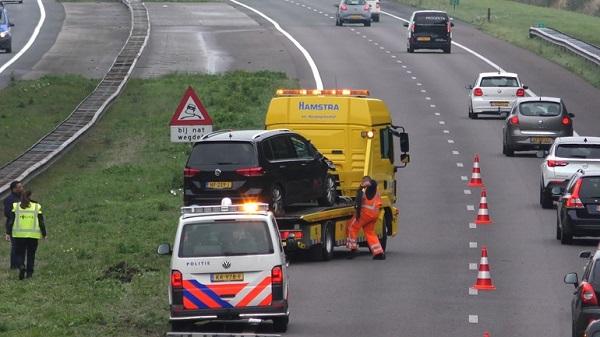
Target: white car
column 375, row 6
column 228, row 264
column 494, row 93
column 565, row 157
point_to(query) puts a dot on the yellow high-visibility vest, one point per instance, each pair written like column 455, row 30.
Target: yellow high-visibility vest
column 26, row 223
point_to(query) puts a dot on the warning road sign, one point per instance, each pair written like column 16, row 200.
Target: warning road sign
column 191, row 120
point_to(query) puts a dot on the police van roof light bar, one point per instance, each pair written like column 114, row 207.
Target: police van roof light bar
column 226, row 208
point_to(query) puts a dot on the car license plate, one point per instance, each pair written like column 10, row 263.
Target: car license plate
column 542, row 140
column 356, row 17
column 499, row 103
column 219, row 185
column 423, row 38
column 226, row 277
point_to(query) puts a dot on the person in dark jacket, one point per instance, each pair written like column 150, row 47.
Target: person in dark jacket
column 26, row 226
column 16, row 188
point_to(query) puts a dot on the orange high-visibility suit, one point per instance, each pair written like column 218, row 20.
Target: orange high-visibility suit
column 369, row 213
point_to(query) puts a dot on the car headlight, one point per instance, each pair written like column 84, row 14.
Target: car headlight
column 3, row 34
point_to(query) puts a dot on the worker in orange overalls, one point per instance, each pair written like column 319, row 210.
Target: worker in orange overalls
column 367, row 205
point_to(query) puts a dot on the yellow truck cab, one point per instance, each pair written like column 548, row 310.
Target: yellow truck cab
column 356, row 133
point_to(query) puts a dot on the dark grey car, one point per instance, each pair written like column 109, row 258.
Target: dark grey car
column 534, row 123
column 353, row 11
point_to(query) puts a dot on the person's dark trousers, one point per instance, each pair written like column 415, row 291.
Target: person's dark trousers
column 25, row 251
column 13, row 254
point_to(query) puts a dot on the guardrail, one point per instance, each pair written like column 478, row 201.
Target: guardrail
column 576, row 46
column 50, row 147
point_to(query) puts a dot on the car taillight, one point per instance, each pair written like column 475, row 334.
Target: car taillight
column 176, row 279
column 555, row 163
column 251, row 171
column 514, row 120
column 343, row 7
column 477, row 92
column 286, row 234
column 412, row 27
column 573, row 201
column 520, row 92
column 566, row 121
column 366, row 7
column 277, row 275
column 588, row 295
column 189, row 172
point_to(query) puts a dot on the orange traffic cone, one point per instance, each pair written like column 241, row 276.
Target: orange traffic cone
column 483, row 214
column 486, row 334
column 476, row 180
column 484, row 280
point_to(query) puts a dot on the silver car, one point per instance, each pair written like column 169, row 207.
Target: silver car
column 534, row 123
column 353, row 11
column 494, row 93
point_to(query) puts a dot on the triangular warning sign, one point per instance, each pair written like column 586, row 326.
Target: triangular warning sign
column 190, row 111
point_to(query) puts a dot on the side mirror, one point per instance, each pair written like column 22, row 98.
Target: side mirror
column 164, row 249
column 405, row 24
column 525, row 87
column 557, row 191
column 451, row 24
column 336, row 6
column 571, row 278
column 585, row 254
column 405, row 158
column 11, row 24
column 572, row 115
column 469, row 87
column 404, row 143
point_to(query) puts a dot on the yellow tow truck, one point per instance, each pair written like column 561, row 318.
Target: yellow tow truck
column 356, row 133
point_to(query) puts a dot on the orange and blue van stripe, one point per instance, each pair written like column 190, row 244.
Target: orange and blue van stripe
column 201, row 296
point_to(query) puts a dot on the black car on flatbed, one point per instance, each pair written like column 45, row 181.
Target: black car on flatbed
column 429, row 30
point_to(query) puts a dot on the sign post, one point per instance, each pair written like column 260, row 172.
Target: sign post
column 191, row 120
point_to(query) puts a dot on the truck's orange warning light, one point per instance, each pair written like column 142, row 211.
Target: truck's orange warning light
column 324, row 92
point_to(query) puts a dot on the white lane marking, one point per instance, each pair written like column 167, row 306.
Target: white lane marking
column 388, row 52
column 398, row 61
column 414, row 78
column 454, row 152
column 470, row 207
column 393, row 56
column 472, row 225
column 419, row 84
column 375, row 43
column 450, row 141
column 32, row 38
column 364, row 36
column 467, row 192
column 403, row 67
column 428, row 98
column 460, row 165
column 370, row 40
column 464, row 178
column 446, row 131
column 309, row 59
column 409, row 72
column 473, row 319
column 473, row 291
column 473, row 266
column 382, row 48
column 442, row 123
column 423, row 90
column 433, row 106
column 473, row 244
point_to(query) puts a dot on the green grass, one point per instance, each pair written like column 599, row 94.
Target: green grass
column 30, row 109
column 511, row 20
column 108, row 205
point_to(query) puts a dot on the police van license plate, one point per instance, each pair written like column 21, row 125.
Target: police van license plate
column 542, row 140
column 226, row 277
column 423, row 38
column 219, row 185
column 499, row 103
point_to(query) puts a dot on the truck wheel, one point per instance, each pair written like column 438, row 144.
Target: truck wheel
column 280, row 324
column 545, row 199
column 387, row 225
column 324, row 250
column 330, row 194
column 277, row 200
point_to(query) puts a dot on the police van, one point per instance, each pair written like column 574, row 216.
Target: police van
column 227, row 264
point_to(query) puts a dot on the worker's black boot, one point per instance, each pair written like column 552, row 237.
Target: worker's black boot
column 29, row 275
column 379, row 256
column 21, row 272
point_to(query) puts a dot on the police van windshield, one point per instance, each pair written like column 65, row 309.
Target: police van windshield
column 229, row 238
column 222, row 153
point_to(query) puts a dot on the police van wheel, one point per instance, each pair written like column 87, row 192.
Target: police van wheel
column 330, row 194
column 280, row 324
column 324, row 250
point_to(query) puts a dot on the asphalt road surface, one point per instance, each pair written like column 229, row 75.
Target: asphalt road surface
column 422, row 288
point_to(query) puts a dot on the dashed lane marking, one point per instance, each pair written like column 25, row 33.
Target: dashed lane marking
column 433, row 106
column 472, row 225
column 460, row 165
column 473, row 291
column 450, row 141
column 473, row 266
column 442, row 123
column 473, row 319
column 470, row 207
column 467, row 192
column 454, row 152
column 472, row 244
column 446, row 131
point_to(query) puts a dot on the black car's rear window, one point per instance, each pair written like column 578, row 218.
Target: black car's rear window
column 539, row 109
column 431, row 19
column 499, row 81
column 222, row 153
column 584, row 151
column 227, row 238
column 590, row 188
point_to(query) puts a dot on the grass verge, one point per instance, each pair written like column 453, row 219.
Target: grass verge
column 30, row 109
column 108, row 204
column 511, row 20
